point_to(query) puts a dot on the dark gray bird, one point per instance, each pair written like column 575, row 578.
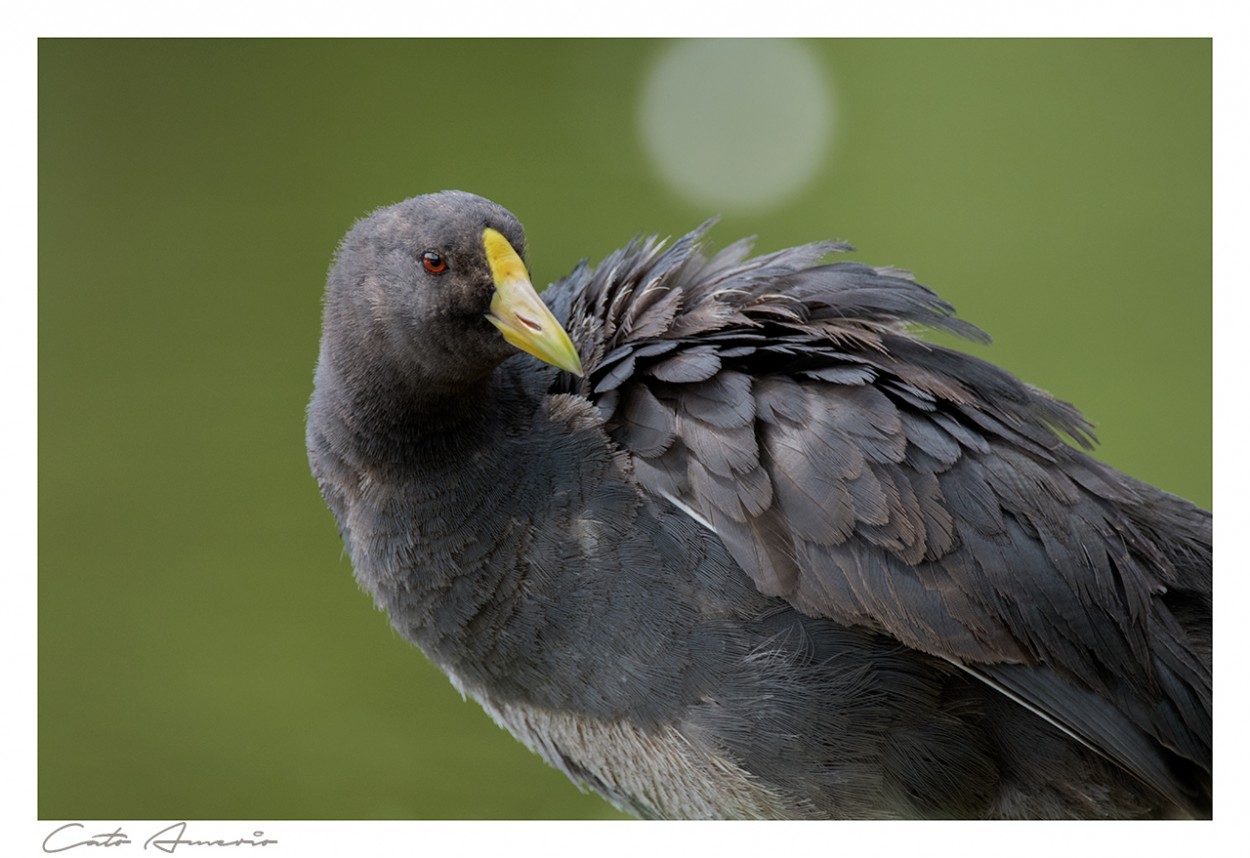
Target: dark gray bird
column 760, row 552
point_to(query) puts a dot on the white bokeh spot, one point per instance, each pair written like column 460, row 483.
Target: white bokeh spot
column 737, row 124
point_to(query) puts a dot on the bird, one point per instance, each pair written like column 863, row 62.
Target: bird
column 723, row 536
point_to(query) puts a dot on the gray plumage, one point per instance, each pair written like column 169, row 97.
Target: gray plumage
column 772, row 555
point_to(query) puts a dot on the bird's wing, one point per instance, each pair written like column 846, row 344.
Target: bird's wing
column 870, row 477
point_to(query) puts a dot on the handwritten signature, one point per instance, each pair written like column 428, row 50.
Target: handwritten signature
column 70, row 836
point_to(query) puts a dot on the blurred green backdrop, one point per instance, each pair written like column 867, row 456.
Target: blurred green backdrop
column 203, row 649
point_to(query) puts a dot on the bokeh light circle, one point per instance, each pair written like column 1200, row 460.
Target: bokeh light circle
column 737, row 124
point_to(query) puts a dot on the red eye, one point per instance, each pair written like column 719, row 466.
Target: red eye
column 433, row 263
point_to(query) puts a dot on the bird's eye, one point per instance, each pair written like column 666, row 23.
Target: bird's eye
column 433, row 262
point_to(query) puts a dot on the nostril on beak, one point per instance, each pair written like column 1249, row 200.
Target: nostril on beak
column 530, row 323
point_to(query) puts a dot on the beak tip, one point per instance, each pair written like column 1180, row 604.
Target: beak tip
column 520, row 315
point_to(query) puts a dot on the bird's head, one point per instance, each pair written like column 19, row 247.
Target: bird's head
column 437, row 286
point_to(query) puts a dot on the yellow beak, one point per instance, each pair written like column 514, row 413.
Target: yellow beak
column 518, row 312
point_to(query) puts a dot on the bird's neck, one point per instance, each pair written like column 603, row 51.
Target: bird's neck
column 391, row 418
column 418, row 472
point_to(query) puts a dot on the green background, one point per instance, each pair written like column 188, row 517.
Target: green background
column 203, row 649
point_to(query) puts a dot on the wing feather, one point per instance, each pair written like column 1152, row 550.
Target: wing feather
column 878, row 480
